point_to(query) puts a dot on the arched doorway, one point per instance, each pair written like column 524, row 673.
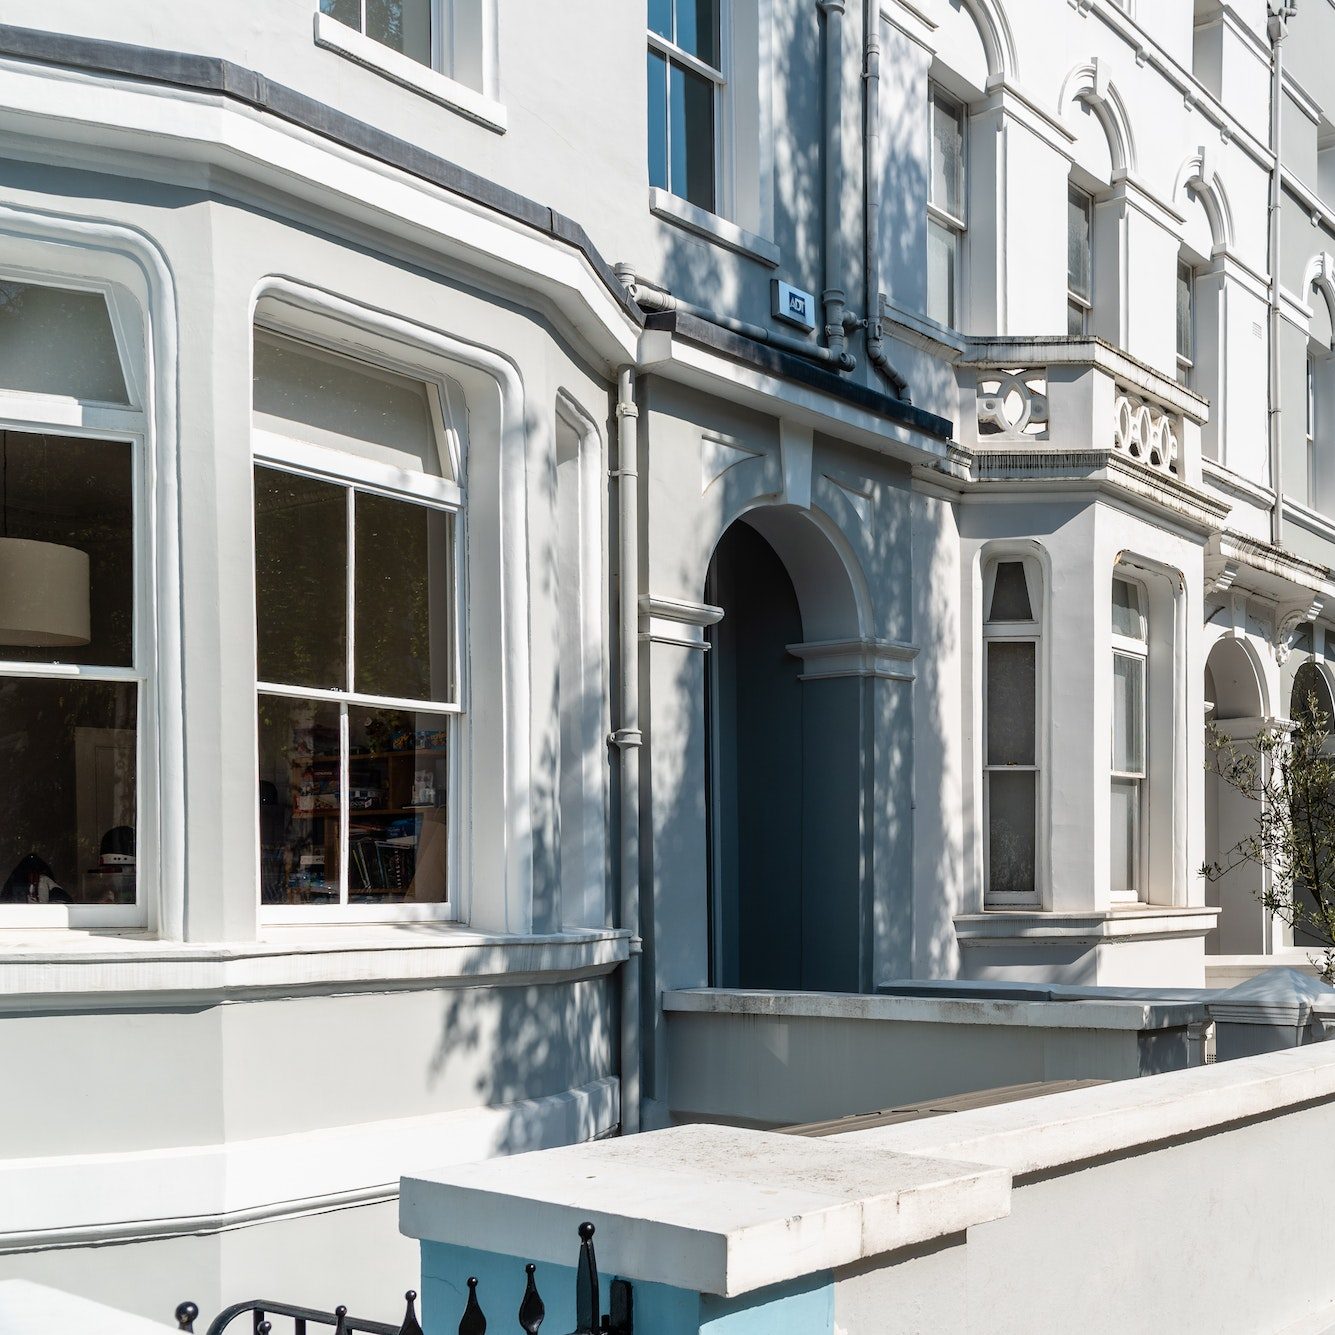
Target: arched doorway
column 1234, row 704
column 784, row 785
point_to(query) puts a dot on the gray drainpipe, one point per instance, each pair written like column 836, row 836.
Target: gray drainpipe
column 871, row 188
column 833, row 298
column 627, row 738
column 1277, row 27
column 652, row 298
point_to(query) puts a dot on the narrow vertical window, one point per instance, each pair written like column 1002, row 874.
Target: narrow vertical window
column 1011, row 597
column 1186, row 322
column 685, row 86
column 1129, row 744
column 946, row 218
column 1079, row 263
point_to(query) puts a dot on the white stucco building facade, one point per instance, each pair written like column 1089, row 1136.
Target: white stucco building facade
column 577, row 505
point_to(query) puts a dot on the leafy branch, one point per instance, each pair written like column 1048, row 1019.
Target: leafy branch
column 1289, row 772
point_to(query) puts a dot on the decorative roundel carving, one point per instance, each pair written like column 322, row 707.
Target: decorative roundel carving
column 1013, row 403
column 1145, row 432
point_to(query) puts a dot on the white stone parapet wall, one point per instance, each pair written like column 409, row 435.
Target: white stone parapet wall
column 1168, row 1203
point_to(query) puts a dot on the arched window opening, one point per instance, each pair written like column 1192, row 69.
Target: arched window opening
column 1319, row 416
column 1310, row 696
column 1012, row 602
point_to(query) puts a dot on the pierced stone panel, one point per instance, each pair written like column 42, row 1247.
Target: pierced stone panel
column 1013, row 404
column 1146, row 432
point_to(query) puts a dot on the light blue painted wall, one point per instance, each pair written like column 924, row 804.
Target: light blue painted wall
column 800, row 1307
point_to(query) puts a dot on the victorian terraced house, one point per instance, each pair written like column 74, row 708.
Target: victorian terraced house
column 509, row 508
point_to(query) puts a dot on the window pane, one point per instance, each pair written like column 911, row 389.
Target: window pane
column 1077, row 320
column 1310, row 686
column 1128, row 714
column 942, row 255
column 1077, row 243
column 54, row 341
column 692, row 137
column 1010, row 594
column 321, row 397
column 660, row 18
column 1184, row 347
column 68, row 813
column 401, row 25
column 301, row 557
column 947, row 185
column 1124, row 836
column 300, row 789
column 1011, row 702
column 403, row 600
column 398, row 783
column 697, row 29
column 658, row 126
column 75, row 494
column 1127, row 618
column 1011, row 810
column 345, row 11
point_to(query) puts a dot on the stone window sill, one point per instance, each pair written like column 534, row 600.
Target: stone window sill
column 663, row 204
column 440, row 88
column 72, row 968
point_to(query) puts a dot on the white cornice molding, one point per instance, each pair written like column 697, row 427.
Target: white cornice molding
column 676, row 621
column 136, row 128
column 825, row 659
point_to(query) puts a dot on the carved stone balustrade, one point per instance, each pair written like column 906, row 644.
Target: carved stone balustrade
column 1073, row 406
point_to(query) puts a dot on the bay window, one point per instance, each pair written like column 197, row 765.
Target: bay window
column 356, row 527
column 73, row 641
column 686, row 85
column 945, row 210
column 1011, row 642
column 1129, row 742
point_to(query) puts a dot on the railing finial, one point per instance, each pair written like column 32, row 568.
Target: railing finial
column 588, row 1317
column 473, row 1322
column 411, row 1325
column 185, row 1316
column 531, row 1309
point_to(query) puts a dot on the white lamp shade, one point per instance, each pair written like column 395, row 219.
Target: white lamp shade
column 43, row 594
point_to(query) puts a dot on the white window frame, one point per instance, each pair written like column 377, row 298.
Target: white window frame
column 1136, row 648
column 957, row 225
column 463, row 34
column 358, row 474
column 1084, row 302
column 1186, row 360
column 127, row 423
column 724, row 203
column 1013, row 632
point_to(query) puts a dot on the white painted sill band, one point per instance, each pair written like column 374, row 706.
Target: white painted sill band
column 671, row 208
column 440, row 88
column 78, row 971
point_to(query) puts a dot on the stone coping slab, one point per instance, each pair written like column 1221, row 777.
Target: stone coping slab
column 1046, row 1134
column 1038, row 1013
column 713, row 1209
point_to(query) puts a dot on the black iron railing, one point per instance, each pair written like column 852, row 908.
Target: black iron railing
column 302, row 1318
column 589, row 1317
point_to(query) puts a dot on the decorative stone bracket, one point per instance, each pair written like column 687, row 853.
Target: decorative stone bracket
column 1287, row 620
